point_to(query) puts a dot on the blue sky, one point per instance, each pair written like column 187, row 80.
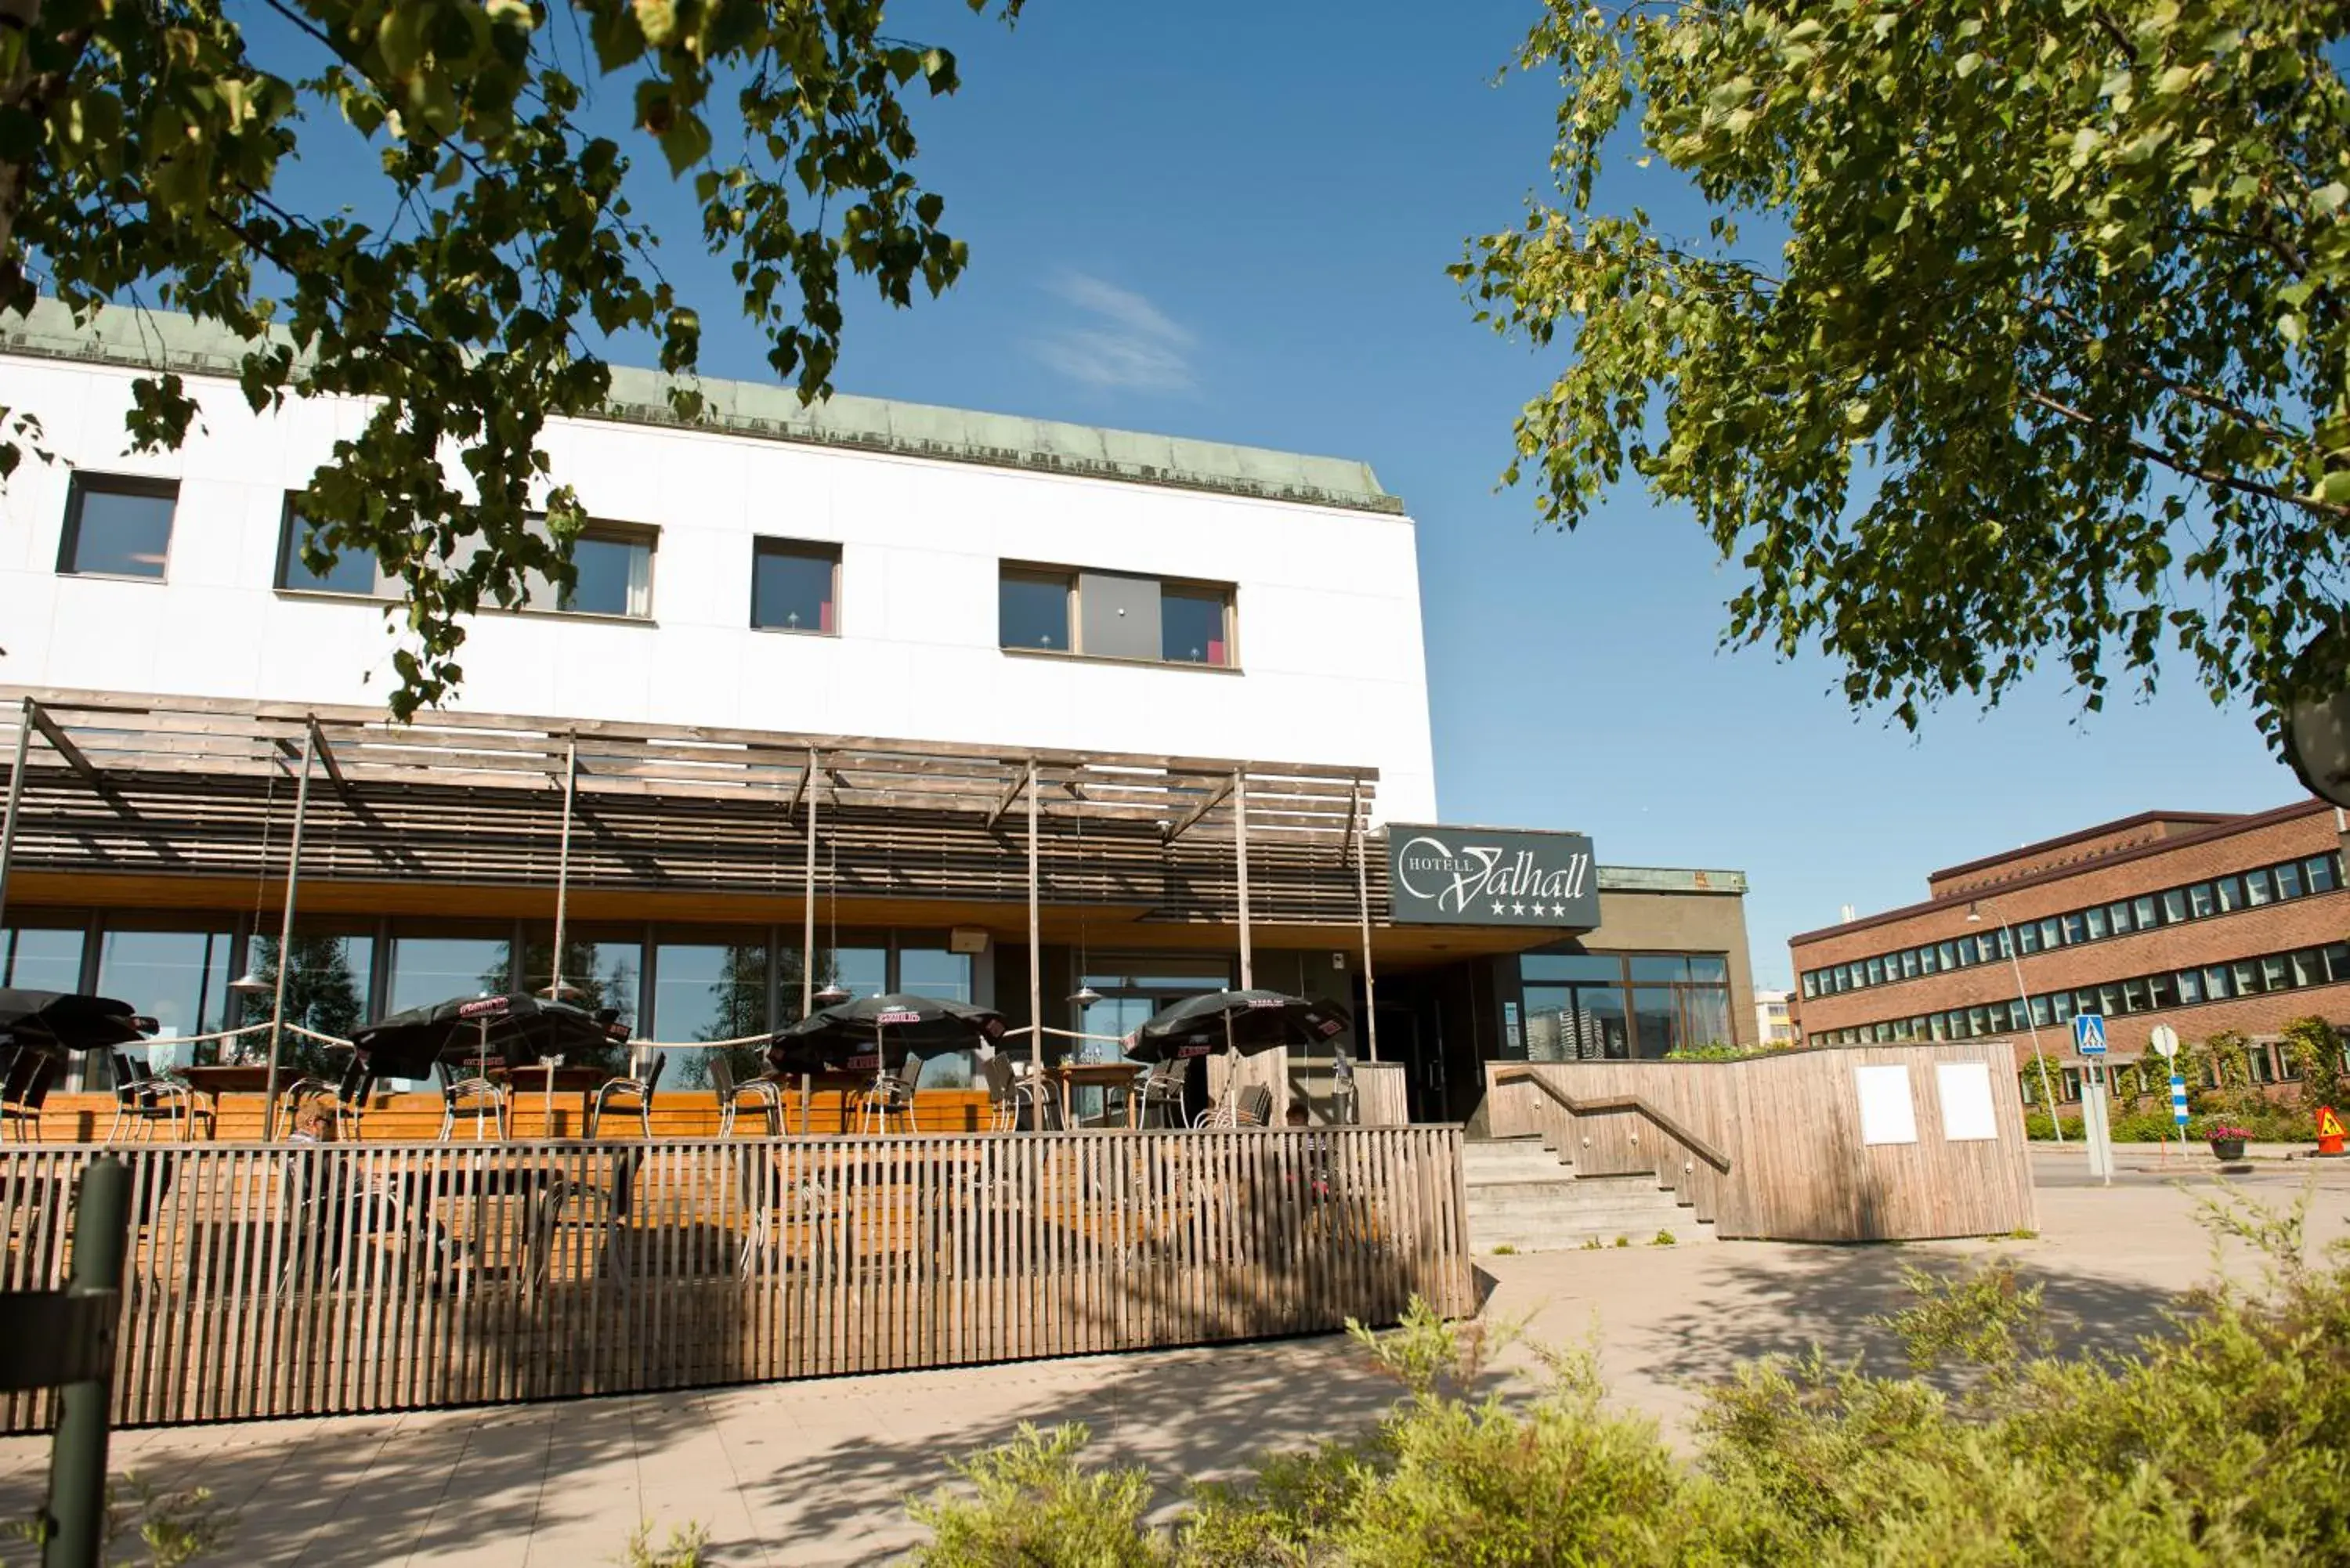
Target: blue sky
column 1232, row 220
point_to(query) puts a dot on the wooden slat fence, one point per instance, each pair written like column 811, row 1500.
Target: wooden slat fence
column 275, row 1281
column 1771, row 1147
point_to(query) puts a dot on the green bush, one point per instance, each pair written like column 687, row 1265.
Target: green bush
column 2220, row 1439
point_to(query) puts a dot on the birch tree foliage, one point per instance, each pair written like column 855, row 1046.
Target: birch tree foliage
column 485, row 246
column 2046, row 362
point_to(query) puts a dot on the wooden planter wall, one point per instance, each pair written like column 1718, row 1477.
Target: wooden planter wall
column 342, row 1279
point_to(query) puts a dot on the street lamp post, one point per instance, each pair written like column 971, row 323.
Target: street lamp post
column 2007, row 938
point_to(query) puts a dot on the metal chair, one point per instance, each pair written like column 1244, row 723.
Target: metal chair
column 732, row 1092
column 22, row 1087
column 1250, row 1106
column 890, row 1095
column 1162, row 1093
column 1009, row 1096
column 470, row 1095
column 645, row 1065
column 605, row 1209
column 142, row 1097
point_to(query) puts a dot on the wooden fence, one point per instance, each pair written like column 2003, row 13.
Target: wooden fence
column 1775, row 1147
column 275, row 1281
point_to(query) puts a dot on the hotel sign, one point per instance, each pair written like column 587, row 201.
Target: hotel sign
column 1490, row 876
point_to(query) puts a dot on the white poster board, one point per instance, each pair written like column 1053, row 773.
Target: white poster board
column 1964, row 1089
column 1888, row 1114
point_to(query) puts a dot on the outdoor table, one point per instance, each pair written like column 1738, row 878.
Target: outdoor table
column 1095, row 1074
column 211, row 1083
column 839, row 1078
column 551, row 1079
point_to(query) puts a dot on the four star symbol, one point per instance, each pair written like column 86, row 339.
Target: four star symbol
column 1520, row 908
column 1497, row 906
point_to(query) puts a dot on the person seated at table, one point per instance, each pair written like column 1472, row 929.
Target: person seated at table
column 1296, row 1116
column 313, row 1124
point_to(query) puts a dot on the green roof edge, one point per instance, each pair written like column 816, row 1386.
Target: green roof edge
column 167, row 340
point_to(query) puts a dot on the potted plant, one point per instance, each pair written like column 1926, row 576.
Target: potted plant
column 2227, row 1142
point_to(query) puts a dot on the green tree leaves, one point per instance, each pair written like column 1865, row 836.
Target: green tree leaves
column 2051, row 362
column 139, row 150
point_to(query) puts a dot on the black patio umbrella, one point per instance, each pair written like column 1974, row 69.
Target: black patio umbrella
column 69, row 1021
column 523, row 1029
column 864, row 1033
column 1240, row 1022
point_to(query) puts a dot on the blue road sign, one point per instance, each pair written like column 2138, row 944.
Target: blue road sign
column 2089, row 1033
column 2178, row 1100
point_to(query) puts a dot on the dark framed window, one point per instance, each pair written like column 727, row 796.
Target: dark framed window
column 795, row 586
column 2324, row 872
column 2174, row 906
column 2288, row 879
column 2259, row 888
column 2231, row 894
column 353, row 573
column 118, row 526
column 1195, row 624
column 2144, row 909
column 612, row 574
column 2098, row 928
column 1034, row 609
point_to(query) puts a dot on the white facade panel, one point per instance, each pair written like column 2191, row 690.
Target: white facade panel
column 1329, row 628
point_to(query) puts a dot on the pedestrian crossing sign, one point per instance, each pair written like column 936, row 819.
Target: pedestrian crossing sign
column 2089, row 1033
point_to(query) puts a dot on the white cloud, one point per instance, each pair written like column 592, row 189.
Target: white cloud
column 1119, row 341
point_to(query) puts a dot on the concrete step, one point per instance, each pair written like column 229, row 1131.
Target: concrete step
column 1503, row 1160
column 1523, row 1197
column 1493, row 1238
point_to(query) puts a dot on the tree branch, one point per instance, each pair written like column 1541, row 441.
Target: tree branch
column 2186, row 468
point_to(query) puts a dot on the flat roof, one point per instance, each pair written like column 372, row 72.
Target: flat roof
column 2191, row 819
column 163, row 340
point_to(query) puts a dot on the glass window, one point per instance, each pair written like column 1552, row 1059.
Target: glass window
column 1811, row 984
column 2201, row 901
column 2324, row 872
column 1195, row 626
column 2134, row 996
column 2076, row 930
column 1709, row 968
column 2258, row 888
column 327, row 988
column 2064, row 1004
column 2337, row 961
column 2273, row 973
column 2308, row 967
column 1929, row 960
column 2027, row 935
column 2248, row 977
column 1656, row 1022
column 2052, row 933
column 934, row 972
column 859, row 970
column 2174, row 906
column 1978, row 1021
column 1938, row 1025
column 2109, row 999
column 599, row 969
column 2218, row 983
column 2142, row 910
column 612, row 574
column 2231, row 894
column 2162, row 990
column 794, row 585
column 2122, row 916
column 1949, row 951
column 353, row 573
column 1604, row 967
column 1674, row 966
column 427, row 970
column 1876, row 972
column 2099, row 929
column 2288, row 879
column 179, row 979
column 1033, row 609
column 118, row 526
column 1908, row 963
column 41, row 957
column 2043, row 1015
column 709, row 990
column 2190, row 987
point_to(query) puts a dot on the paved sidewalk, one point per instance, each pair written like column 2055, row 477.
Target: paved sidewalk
column 818, row 1472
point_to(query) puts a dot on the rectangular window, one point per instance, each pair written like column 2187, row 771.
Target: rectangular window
column 118, row 526
column 612, row 574
column 1876, row 972
column 2098, row 928
column 2218, row 983
column 2109, row 999
column 2201, row 901
column 2043, row 1015
column 2118, row 916
column 2143, row 913
column 2162, row 990
column 41, row 957
column 2061, row 1005
column 708, row 991
column 1033, row 609
column 1978, row 1021
column 2337, row 961
column 1195, row 625
column 2077, row 930
column 2027, row 935
column 2248, row 978
column 795, row 586
column 1811, row 984
column 1950, row 952
column 2324, row 872
column 179, row 977
column 428, row 970
column 2273, row 975
column 2174, row 906
column 2052, row 933
column 2258, row 888
column 2190, row 987
column 2308, row 967
column 2288, row 879
column 353, row 573
column 2134, row 996
column 1929, row 961
column 2231, row 894
column 1603, row 968
column 1908, row 963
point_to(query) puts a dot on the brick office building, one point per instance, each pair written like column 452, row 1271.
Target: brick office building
column 2205, row 922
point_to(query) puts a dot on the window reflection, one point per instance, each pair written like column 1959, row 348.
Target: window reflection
column 41, row 957
column 179, row 979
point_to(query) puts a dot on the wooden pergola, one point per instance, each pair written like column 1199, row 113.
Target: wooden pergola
column 181, row 783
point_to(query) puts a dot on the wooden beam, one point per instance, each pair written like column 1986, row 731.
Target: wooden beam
column 62, row 743
column 1191, row 818
column 1004, row 801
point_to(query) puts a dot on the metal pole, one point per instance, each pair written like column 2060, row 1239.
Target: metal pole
column 286, row 934
column 76, row 1525
column 15, row 797
column 2055, row 1122
column 562, row 866
column 1036, row 973
column 1240, row 842
column 1363, row 909
column 808, row 923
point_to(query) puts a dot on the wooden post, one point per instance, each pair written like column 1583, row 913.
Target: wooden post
column 562, row 862
column 1363, row 910
column 1035, row 971
column 807, row 919
column 1240, row 844
column 286, row 933
column 15, row 797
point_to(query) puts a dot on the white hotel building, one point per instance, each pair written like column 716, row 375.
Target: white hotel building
column 874, row 616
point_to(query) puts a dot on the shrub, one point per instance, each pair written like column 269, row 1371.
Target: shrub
column 2219, row 1438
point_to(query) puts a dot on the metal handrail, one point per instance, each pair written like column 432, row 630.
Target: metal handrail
column 1663, row 1123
